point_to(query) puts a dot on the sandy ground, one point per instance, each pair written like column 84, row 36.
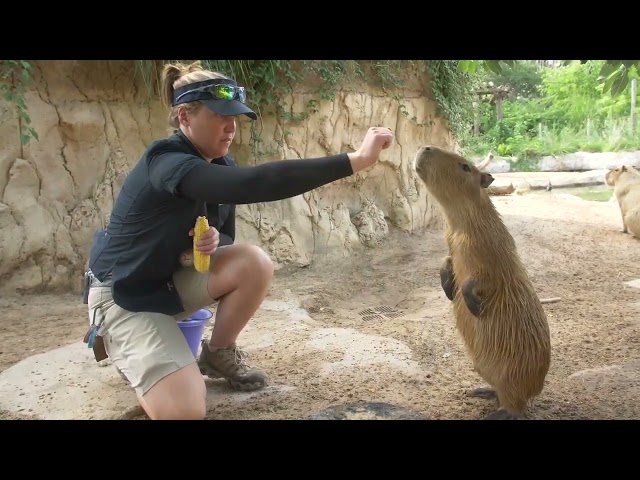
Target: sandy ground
column 314, row 336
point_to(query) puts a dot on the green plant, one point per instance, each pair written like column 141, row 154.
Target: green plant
column 568, row 110
column 453, row 91
column 614, row 74
column 15, row 76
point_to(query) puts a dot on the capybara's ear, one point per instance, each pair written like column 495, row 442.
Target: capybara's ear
column 624, row 168
column 486, row 179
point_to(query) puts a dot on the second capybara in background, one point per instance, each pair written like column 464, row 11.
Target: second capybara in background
column 497, row 311
column 625, row 181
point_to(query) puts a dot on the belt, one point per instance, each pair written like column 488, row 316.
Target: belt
column 97, row 283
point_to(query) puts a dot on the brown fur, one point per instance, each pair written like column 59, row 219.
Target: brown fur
column 508, row 340
column 626, row 182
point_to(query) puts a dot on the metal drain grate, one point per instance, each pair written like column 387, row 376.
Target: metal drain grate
column 380, row 313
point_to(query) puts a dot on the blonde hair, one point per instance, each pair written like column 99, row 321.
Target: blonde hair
column 176, row 75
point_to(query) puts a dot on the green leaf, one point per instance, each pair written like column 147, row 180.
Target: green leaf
column 494, row 66
column 468, row 66
column 629, row 63
column 606, row 70
column 620, row 83
column 615, row 80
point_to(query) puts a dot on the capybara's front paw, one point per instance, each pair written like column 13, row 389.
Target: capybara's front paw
column 471, row 299
column 447, row 278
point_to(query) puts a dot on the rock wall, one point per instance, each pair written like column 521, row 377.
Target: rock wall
column 95, row 118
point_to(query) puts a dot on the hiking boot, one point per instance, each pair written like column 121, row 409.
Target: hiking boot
column 230, row 364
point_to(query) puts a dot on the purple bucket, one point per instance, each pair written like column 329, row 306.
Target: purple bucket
column 193, row 327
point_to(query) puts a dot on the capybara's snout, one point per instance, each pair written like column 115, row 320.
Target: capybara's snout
column 422, row 156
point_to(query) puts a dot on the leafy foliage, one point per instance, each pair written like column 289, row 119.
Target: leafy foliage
column 523, row 78
column 613, row 73
column 576, row 107
column 15, row 76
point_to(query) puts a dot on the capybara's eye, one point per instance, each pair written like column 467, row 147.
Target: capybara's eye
column 465, row 167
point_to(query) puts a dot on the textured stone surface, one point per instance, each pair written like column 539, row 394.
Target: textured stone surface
column 367, row 411
column 95, row 118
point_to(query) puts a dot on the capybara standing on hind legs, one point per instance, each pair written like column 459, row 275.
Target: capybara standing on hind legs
column 498, row 313
column 625, row 181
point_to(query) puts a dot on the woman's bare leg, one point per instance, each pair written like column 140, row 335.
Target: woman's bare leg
column 240, row 276
column 180, row 395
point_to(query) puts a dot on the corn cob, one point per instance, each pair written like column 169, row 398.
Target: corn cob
column 200, row 261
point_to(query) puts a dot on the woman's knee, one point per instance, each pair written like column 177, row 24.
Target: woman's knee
column 180, row 395
column 239, row 264
column 260, row 261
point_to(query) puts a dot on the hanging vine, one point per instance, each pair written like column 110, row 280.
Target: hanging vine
column 15, row 76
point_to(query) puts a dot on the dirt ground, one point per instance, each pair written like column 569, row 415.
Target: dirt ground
column 573, row 248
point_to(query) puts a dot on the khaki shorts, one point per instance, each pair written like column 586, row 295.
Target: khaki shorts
column 147, row 346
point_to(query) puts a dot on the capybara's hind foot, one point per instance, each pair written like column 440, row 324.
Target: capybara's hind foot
column 485, row 393
column 503, row 414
